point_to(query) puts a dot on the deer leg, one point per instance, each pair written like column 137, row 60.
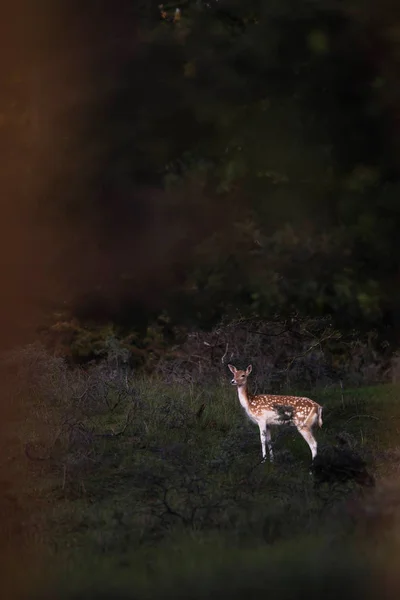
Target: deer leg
column 310, row 439
column 268, row 438
column 262, row 438
column 265, row 436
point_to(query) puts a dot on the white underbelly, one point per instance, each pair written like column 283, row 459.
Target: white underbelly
column 270, row 417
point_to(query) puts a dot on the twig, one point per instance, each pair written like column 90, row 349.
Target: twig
column 113, row 434
column 362, row 417
column 168, row 508
column 318, row 343
column 257, row 464
column 225, row 353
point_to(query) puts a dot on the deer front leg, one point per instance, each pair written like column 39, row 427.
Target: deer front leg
column 268, row 438
column 265, row 436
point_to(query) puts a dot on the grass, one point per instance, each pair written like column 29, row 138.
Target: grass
column 179, row 506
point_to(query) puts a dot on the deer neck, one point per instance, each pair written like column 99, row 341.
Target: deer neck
column 243, row 396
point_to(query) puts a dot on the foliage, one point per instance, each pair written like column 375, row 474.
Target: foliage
column 295, row 351
column 241, row 158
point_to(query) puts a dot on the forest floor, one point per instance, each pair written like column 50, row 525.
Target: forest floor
column 163, row 495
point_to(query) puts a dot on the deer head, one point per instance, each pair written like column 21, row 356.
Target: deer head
column 240, row 377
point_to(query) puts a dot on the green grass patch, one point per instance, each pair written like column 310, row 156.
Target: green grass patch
column 166, row 490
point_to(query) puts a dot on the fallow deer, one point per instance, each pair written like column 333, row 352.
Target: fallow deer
column 266, row 410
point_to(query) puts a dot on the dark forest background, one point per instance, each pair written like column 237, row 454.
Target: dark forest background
column 186, row 186
column 165, row 171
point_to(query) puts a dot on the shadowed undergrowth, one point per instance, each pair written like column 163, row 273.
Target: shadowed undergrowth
column 127, row 484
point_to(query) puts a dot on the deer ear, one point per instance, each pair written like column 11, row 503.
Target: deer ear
column 232, row 368
column 249, row 370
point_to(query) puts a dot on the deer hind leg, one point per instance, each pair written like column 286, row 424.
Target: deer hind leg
column 310, row 439
column 265, row 436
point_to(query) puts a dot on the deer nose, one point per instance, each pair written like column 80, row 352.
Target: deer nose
column 233, row 382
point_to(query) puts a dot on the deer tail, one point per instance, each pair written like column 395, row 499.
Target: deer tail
column 320, row 416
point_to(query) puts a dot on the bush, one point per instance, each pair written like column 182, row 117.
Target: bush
column 296, row 353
